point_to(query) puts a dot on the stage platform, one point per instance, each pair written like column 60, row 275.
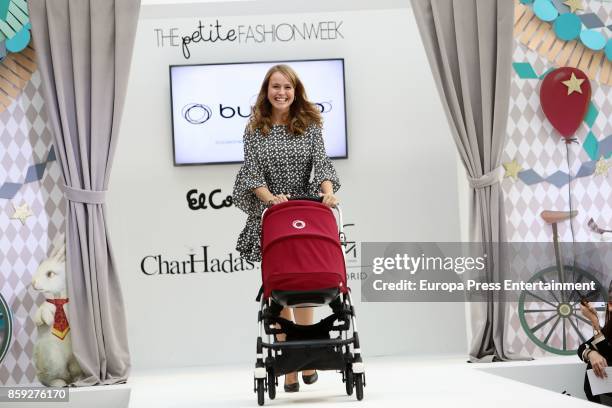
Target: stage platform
column 405, row 381
column 436, row 381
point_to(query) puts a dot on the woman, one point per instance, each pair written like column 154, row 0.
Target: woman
column 597, row 351
column 283, row 144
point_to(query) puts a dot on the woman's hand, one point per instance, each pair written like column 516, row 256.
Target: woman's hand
column 590, row 313
column 279, row 198
column 329, row 199
column 598, row 363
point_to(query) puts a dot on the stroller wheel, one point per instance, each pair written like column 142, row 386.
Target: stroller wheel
column 348, row 380
column 271, row 384
column 359, row 386
column 260, row 391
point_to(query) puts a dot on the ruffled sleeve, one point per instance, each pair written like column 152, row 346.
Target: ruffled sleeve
column 323, row 167
column 250, row 176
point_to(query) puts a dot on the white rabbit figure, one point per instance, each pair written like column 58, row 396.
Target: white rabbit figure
column 53, row 358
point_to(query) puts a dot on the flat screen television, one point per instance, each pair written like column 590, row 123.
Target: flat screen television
column 211, row 104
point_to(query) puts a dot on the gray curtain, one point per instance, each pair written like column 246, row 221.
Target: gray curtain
column 469, row 46
column 84, row 50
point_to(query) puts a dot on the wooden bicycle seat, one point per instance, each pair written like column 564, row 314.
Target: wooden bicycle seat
column 553, row 217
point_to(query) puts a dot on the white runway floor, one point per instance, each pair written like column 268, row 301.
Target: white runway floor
column 391, row 382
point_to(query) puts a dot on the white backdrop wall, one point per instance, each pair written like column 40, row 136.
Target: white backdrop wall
column 399, row 184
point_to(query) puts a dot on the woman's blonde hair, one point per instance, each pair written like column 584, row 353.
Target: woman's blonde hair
column 302, row 112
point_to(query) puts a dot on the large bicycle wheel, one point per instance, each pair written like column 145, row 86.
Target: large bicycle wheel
column 6, row 328
column 552, row 319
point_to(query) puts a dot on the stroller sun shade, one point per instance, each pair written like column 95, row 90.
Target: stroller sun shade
column 300, row 249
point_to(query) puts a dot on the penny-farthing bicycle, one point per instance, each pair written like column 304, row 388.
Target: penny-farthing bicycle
column 6, row 328
column 553, row 320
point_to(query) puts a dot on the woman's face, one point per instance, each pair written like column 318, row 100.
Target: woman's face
column 280, row 92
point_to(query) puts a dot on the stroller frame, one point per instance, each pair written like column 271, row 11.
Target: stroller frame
column 322, row 352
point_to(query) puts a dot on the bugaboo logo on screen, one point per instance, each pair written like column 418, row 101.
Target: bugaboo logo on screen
column 324, row 107
column 198, row 114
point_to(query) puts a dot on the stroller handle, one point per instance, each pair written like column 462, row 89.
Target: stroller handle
column 306, row 198
column 341, row 234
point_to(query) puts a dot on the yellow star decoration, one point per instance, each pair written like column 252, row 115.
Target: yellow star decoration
column 573, row 84
column 21, row 213
column 574, row 5
column 512, row 169
column 602, row 167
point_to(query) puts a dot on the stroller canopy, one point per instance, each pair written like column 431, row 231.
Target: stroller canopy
column 301, row 250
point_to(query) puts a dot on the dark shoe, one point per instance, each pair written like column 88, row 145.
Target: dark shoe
column 310, row 379
column 295, row 387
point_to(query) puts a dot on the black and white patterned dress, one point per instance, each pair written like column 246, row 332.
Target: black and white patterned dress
column 284, row 163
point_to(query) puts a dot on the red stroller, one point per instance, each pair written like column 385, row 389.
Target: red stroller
column 303, row 266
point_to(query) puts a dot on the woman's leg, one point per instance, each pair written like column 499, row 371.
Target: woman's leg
column 304, row 316
column 287, row 314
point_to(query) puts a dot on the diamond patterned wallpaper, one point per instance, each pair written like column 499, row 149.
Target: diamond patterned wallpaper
column 25, row 140
column 533, row 144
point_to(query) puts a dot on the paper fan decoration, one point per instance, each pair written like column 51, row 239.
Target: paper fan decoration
column 17, row 58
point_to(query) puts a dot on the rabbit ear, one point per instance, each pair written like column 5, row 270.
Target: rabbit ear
column 61, row 254
column 55, row 252
column 58, row 244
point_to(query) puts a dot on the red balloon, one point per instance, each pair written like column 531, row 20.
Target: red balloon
column 565, row 112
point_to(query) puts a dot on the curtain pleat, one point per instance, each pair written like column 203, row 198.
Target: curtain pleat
column 84, row 50
column 469, row 47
